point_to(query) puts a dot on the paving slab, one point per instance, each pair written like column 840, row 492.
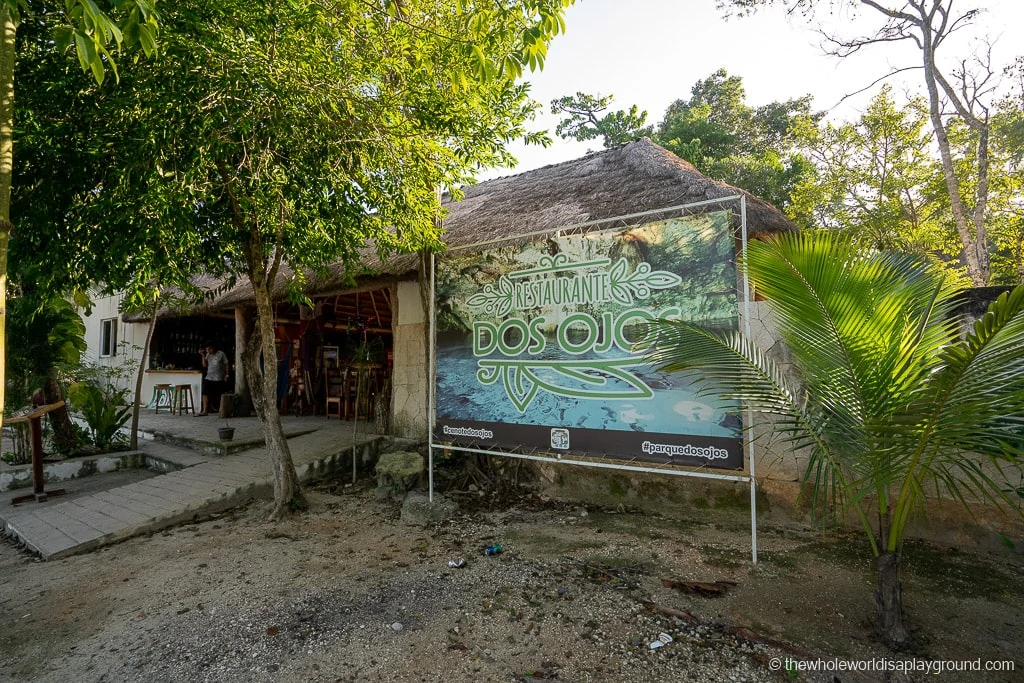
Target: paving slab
column 197, row 485
column 115, row 510
column 123, row 499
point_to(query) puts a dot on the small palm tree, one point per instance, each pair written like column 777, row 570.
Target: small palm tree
column 890, row 402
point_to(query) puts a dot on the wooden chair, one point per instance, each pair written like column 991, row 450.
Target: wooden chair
column 160, row 392
column 334, row 390
column 183, row 402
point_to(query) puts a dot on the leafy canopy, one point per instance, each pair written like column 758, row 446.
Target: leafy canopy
column 304, row 129
column 874, row 180
column 583, row 123
column 753, row 148
column 284, row 139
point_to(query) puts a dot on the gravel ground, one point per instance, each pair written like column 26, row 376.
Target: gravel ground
column 348, row 592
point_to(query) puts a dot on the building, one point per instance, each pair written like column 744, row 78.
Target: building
column 383, row 316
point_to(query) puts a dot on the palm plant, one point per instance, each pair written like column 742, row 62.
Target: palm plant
column 888, row 400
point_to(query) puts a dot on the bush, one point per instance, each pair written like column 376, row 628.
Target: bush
column 104, row 409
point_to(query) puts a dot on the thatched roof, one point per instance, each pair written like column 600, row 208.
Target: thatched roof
column 632, row 178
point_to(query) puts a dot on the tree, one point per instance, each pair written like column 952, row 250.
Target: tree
column 888, row 400
column 47, row 336
column 66, row 150
column 583, row 122
column 967, row 91
column 755, row 149
column 1004, row 225
column 874, row 180
column 281, row 140
column 1007, row 213
column 97, row 38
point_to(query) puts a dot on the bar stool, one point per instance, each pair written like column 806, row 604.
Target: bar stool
column 161, row 391
column 183, row 402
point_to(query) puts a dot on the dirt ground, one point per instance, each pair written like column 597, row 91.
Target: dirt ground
column 348, row 592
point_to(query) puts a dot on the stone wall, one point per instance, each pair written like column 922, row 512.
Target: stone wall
column 409, row 418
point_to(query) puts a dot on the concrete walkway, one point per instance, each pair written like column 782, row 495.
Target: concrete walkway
column 199, row 485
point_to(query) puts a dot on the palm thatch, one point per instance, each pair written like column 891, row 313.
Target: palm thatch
column 633, row 178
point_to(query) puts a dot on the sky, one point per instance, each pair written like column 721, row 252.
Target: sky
column 651, row 52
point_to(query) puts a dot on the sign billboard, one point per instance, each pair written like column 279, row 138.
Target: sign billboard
column 539, row 343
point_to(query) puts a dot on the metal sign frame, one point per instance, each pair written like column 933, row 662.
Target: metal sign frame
column 749, row 475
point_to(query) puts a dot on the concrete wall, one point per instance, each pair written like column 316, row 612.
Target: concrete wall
column 409, row 418
column 20, row 476
column 777, row 467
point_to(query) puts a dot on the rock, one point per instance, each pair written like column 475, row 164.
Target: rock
column 418, row 510
column 398, row 473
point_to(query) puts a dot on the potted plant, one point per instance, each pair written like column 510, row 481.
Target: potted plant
column 226, row 433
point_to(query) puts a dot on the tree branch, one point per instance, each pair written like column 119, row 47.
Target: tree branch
column 891, row 13
column 872, row 84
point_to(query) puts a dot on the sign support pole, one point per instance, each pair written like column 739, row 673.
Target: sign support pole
column 431, row 376
column 750, row 413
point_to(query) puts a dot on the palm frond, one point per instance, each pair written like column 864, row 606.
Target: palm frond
column 888, row 400
column 979, row 388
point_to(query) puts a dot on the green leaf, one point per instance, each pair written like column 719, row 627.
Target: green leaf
column 86, row 51
column 147, row 40
column 63, row 36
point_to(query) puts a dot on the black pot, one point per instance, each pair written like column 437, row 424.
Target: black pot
column 226, row 433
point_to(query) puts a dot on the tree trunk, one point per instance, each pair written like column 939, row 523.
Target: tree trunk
column 974, row 244
column 889, row 602
column 64, row 437
column 7, row 56
column 243, row 331
column 287, row 493
column 137, row 404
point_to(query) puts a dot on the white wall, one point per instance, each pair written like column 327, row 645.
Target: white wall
column 131, row 337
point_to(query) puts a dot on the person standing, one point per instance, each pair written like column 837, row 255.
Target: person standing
column 218, row 370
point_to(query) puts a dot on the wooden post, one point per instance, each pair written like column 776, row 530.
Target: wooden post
column 34, row 419
column 36, row 423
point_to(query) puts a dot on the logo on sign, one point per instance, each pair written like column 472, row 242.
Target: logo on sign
column 558, row 281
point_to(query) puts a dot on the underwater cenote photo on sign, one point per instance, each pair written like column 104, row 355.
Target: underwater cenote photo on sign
column 539, row 344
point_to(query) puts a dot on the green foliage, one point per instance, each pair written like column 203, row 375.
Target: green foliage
column 754, row 148
column 99, row 30
column 888, row 400
column 104, row 409
column 305, row 131
column 583, row 123
column 46, row 334
column 1007, row 184
column 878, row 182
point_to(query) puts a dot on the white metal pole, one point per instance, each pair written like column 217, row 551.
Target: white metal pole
column 750, row 413
column 431, row 378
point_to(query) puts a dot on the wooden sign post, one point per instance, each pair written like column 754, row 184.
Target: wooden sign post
column 34, row 419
